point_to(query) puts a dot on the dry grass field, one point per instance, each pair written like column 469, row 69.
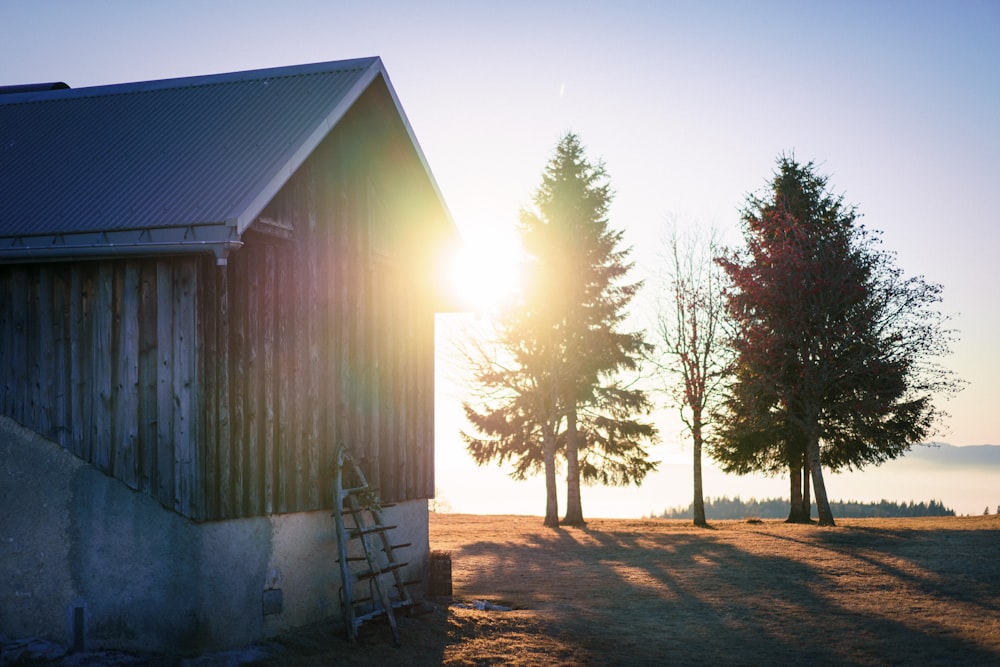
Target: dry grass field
column 655, row 592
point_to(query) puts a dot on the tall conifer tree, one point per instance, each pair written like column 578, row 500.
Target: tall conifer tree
column 835, row 348
column 565, row 347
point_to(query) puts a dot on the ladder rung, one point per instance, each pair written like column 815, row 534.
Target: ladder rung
column 362, row 576
column 354, row 559
column 378, row 611
column 375, row 511
column 358, row 532
column 376, row 514
column 361, row 618
column 400, row 546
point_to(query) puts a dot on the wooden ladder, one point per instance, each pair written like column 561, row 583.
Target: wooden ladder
column 360, row 503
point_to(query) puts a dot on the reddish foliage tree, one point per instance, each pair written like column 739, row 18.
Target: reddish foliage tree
column 834, row 346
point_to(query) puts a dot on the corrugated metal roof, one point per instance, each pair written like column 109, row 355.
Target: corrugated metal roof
column 201, row 156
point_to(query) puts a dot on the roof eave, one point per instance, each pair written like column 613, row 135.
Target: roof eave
column 217, row 239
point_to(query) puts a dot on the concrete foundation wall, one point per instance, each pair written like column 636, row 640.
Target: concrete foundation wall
column 85, row 560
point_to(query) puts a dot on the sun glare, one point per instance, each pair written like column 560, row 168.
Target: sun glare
column 484, row 273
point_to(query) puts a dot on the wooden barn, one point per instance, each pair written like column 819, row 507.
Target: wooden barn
column 206, row 285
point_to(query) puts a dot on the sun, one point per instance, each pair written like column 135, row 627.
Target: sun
column 484, row 271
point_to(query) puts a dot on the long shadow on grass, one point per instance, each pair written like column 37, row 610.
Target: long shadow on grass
column 957, row 565
column 626, row 597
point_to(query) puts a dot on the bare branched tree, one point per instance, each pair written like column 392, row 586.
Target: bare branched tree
column 692, row 350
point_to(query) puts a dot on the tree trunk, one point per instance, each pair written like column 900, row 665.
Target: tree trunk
column 795, row 491
column 699, row 499
column 551, row 497
column 574, row 507
column 815, row 467
column 806, row 496
column 800, row 507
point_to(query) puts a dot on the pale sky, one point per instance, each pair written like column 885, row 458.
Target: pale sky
column 688, row 104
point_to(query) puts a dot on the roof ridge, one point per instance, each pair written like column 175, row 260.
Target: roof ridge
column 193, row 81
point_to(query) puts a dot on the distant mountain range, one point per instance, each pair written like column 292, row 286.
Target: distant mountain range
column 952, row 456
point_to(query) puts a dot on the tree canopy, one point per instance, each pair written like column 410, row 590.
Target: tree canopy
column 835, row 348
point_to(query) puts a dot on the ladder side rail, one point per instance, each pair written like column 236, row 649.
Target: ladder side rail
column 373, row 565
column 404, row 594
column 397, row 573
column 342, row 538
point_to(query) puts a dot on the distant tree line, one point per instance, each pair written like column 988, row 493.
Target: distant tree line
column 777, row 508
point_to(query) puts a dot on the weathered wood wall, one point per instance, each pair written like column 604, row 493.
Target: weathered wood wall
column 99, row 357
column 223, row 391
column 328, row 342
column 321, row 329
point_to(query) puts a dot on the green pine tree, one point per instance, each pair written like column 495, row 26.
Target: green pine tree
column 560, row 390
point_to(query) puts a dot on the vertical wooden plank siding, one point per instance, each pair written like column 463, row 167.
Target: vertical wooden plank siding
column 410, row 464
column 312, row 305
column 333, row 391
column 285, row 435
column 223, row 398
column 250, row 377
column 147, row 367
column 208, row 345
column 425, row 376
column 322, row 350
column 28, row 374
column 186, row 475
column 342, row 362
column 237, row 379
column 224, row 390
column 269, row 285
column 165, row 384
column 102, row 351
column 361, row 314
column 61, row 389
column 77, row 346
column 330, row 279
column 91, row 361
column 19, row 347
column 142, row 368
column 7, row 309
column 298, row 402
column 383, row 368
column 38, row 349
column 87, row 388
column 126, row 374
